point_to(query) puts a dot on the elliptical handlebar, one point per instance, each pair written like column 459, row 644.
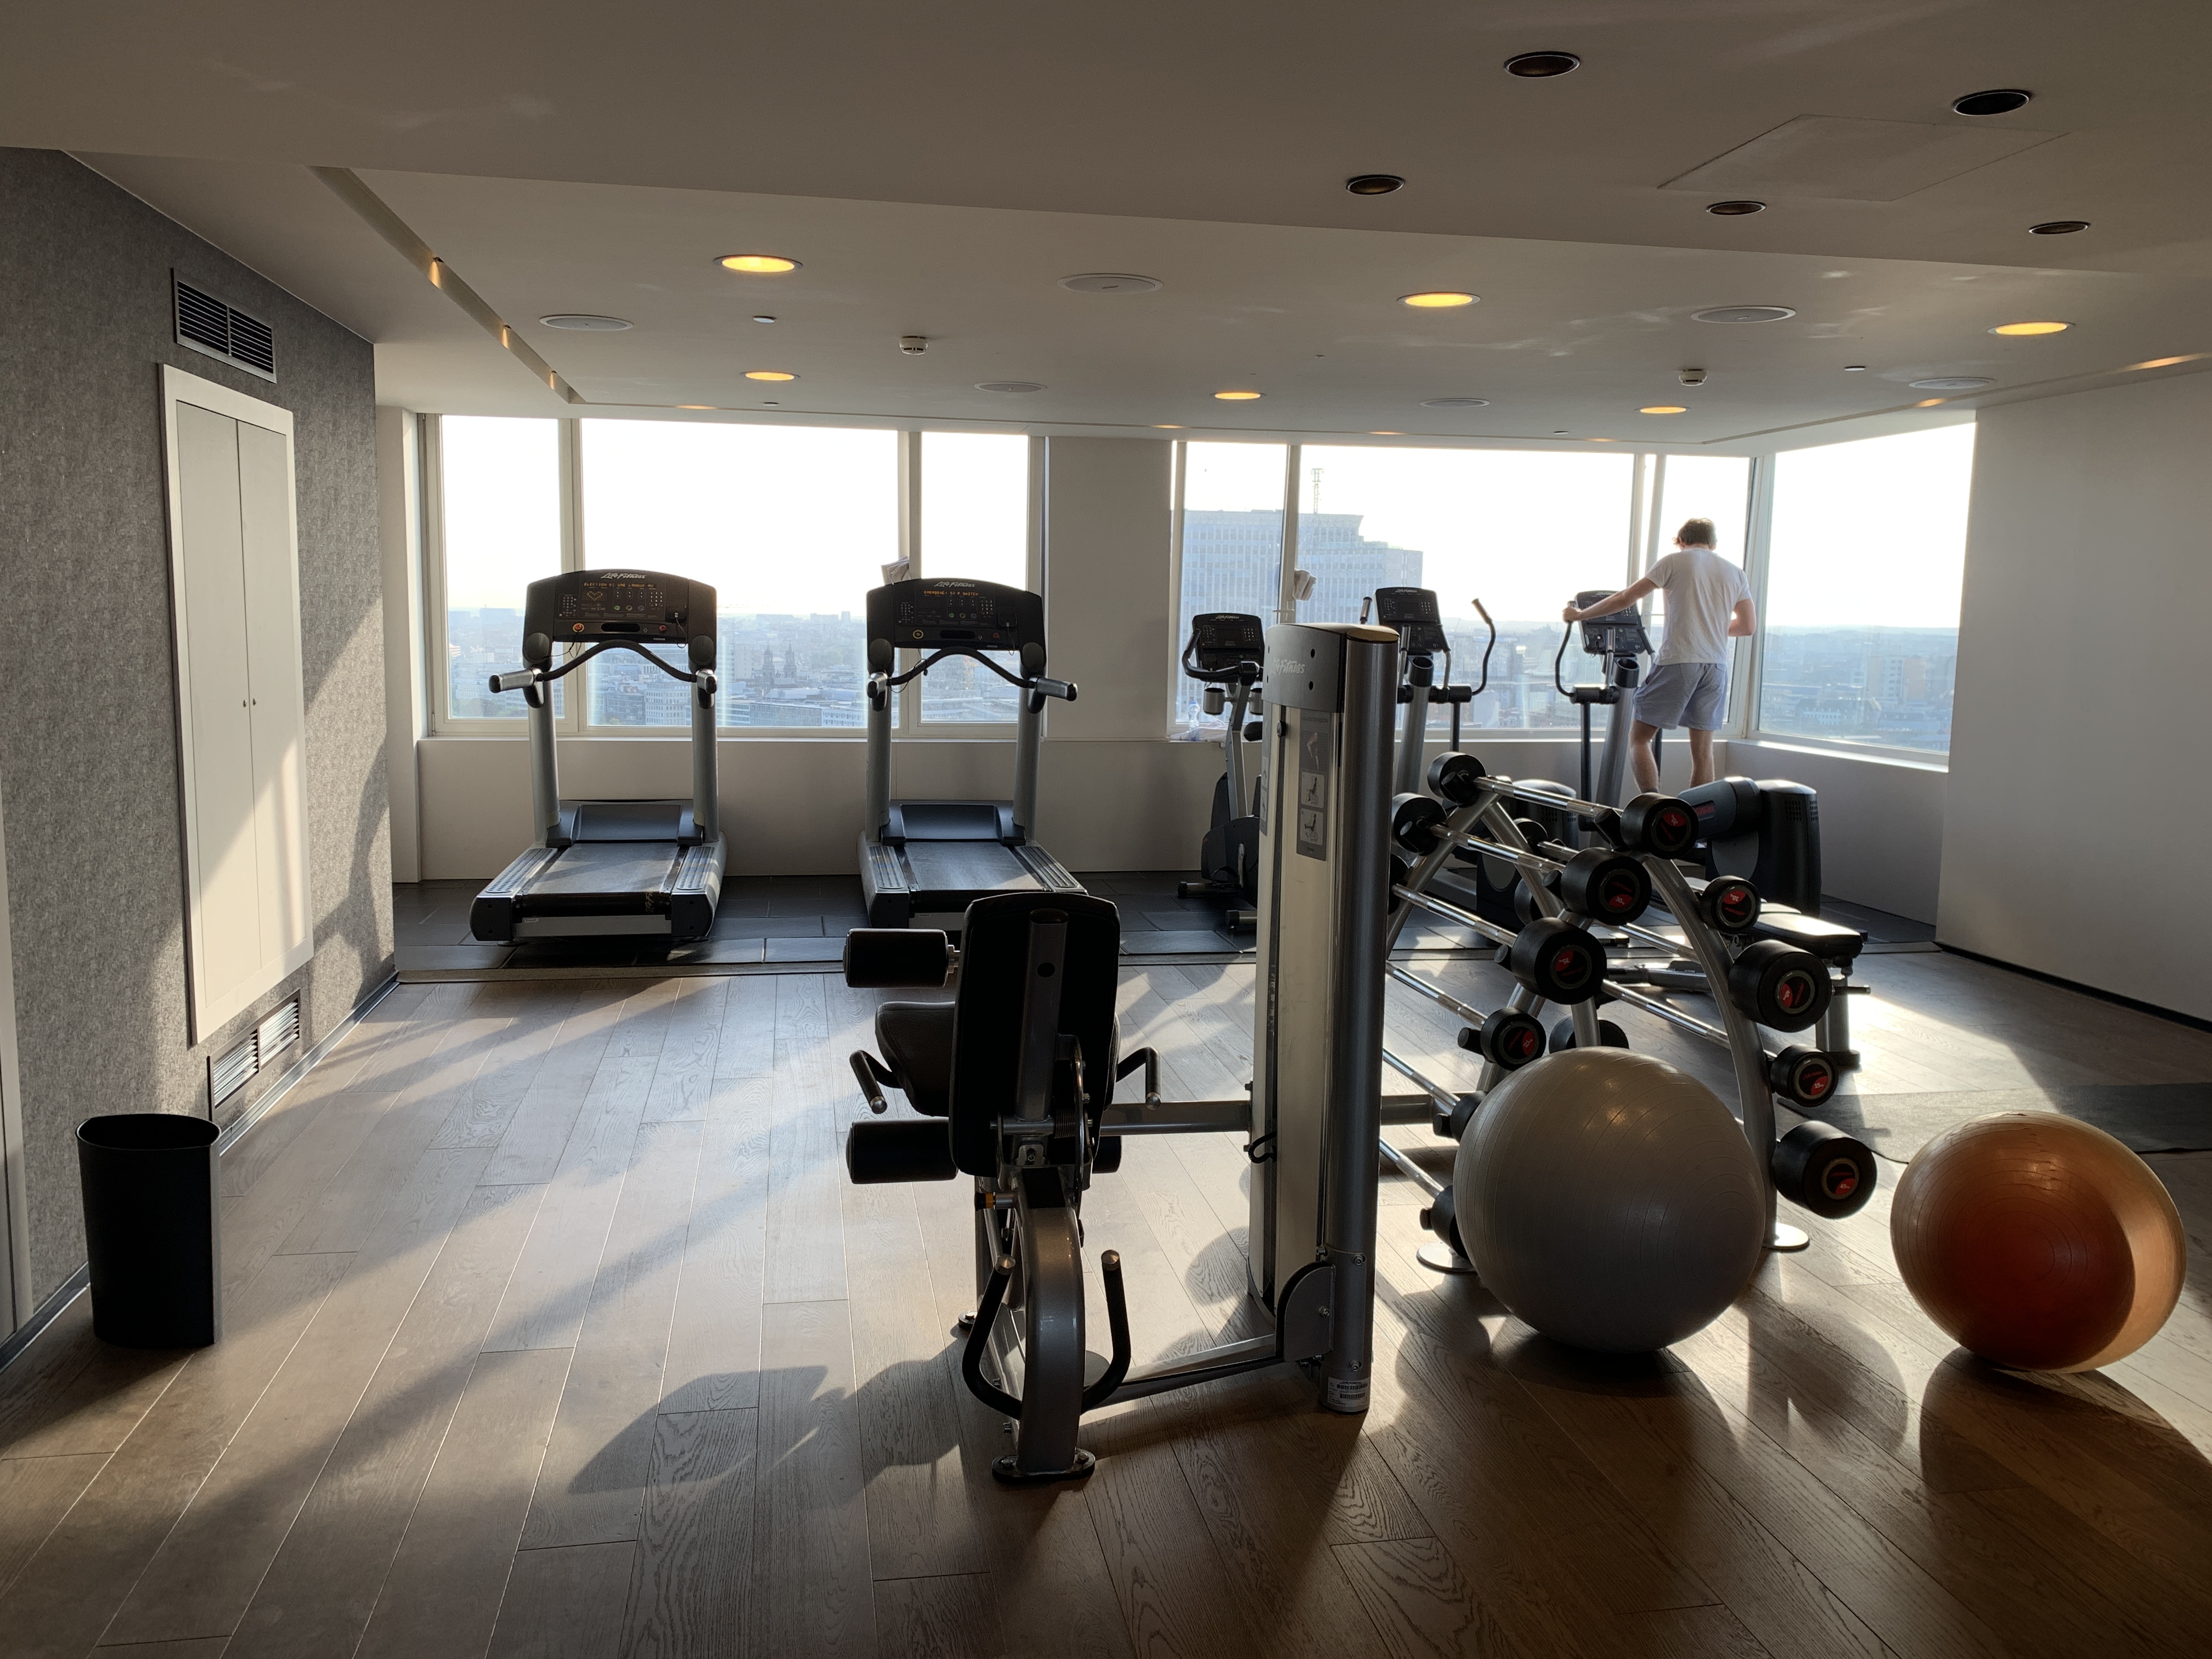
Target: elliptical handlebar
column 525, row 679
column 1245, row 673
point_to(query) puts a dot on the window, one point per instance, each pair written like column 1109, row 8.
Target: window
column 792, row 525
column 1863, row 569
column 974, row 524
column 501, row 518
column 1716, row 487
column 1232, row 544
column 1523, row 532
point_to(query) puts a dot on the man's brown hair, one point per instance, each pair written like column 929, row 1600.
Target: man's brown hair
column 1696, row 533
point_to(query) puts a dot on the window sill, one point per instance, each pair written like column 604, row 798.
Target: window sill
column 1907, row 759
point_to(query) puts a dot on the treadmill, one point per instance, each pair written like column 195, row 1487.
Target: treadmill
column 609, row 868
column 923, row 862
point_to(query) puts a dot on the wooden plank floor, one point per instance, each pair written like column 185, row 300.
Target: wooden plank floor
column 554, row 1330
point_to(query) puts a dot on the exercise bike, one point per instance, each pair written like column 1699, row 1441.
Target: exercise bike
column 1224, row 654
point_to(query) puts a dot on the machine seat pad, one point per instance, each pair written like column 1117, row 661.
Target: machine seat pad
column 1831, row 941
column 916, row 1041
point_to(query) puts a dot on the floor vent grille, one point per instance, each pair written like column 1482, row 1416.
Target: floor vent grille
column 205, row 323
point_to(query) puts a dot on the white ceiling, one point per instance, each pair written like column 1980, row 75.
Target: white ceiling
column 938, row 170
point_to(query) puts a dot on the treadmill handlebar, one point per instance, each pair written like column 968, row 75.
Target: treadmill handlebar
column 1037, row 685
column 523, row 679
column 1064, row 689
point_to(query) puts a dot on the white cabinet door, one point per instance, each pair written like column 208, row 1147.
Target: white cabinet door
column 234, row 568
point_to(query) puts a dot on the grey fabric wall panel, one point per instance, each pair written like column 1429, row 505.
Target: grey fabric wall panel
column 88, row 765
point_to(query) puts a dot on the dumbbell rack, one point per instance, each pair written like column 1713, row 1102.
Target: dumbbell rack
column 1561, row 955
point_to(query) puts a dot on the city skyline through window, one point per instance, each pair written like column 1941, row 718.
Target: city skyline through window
column 1864, row 566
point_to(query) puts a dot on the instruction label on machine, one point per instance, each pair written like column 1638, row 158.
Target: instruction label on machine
column 1314, row 759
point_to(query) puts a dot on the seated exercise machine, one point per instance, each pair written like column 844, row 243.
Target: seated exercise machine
column 1223, row 653
column 924, row 862
column 604, row 867
column 1013, row 1080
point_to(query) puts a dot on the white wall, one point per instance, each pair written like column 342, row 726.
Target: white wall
column 1881, row 822
column 399, row 490
column 2079, row 751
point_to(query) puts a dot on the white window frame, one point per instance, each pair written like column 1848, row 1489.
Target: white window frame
column 1747, row 695
column 912, row 480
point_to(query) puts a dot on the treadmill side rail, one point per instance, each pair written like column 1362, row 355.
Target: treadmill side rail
column 491, row 917
column 696, row 892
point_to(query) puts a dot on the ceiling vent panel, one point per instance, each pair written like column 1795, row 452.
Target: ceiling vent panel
column 1843, row 158
column 206, row 324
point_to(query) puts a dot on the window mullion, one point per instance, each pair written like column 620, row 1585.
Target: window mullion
column 1751, row 655
column 1286, row 601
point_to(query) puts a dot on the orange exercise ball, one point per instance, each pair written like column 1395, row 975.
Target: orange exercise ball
column 2039, row 1241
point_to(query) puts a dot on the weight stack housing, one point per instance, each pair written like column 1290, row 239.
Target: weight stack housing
column 1789, row 867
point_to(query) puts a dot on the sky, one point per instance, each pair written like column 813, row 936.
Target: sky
column 1872, row 532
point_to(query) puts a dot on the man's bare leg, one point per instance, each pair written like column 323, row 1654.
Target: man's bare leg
column 1640, row 758
column 1701, row 757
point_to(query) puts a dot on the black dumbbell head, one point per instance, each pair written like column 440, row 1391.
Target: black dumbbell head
column 1658, row 824
column 1804, row 1076
column 1779, row 985
column 1604, row 886
column 1416, row 823
column 1817, row 1166
column 1454, row 776
column 1729, row 904
column 1558, row 960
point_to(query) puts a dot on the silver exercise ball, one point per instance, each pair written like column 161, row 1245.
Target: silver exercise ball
column 1609, row 1201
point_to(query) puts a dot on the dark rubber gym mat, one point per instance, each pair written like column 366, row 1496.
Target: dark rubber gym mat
column 2148, row 1117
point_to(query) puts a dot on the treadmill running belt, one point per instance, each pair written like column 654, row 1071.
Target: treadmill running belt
column 604, row 868
column 967, row 867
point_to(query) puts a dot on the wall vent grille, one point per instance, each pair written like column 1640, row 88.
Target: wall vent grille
column 230, row 1072
column 205, row 323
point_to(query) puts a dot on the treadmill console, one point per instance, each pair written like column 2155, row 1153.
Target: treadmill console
column 944, row 613
column 1412, row 612
column 645, row 605
column 1221, row 640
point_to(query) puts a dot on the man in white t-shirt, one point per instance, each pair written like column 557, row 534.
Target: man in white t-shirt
column 1708, row 604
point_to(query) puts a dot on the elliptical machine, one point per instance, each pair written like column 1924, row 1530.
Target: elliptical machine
column 1619, row 640
column 1421, row 640
column 1224, row 654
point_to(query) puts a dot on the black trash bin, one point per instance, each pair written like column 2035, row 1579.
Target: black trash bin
column 152, row 1228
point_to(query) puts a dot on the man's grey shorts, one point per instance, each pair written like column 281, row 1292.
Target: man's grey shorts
column 1692, row 694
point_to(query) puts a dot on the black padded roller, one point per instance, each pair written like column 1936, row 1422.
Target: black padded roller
column 899, row 1149
column 897, row 958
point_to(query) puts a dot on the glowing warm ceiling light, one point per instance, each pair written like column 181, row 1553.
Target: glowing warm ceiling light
column 757, row 264
column 2167, row 362
column 1605, row 440
column 1386, row 435
column 1930, row 403
column 2031, row 328
column 695, row 406
column 1165, row 426
column 768, row 374
column 1236, row 397
column 1442, row 300
column 1663, row 409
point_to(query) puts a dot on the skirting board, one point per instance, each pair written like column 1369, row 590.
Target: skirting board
column 18, row 1340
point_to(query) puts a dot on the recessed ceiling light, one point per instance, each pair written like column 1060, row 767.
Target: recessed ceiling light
column 1743, row 314
column 2002, row 101
column 1605, row 440
column 1373, row 183
column 1663, row 409
column 2031, row 328
column 1854, row 368
column 1166, row 426
column 1440, row 300
column 757, row 264
column 1930, row 403
column 770, row 403
column 1236, row 397
column 1009, row 385
column 585, row 323
column 2058, row 227
column 1952, row 383
column 1108, row 282
column 1454, row 403
column 763, row 319
column 1542, row 65
column 2168, row 363
column 1559, row 432
column 770, row 374
column 1386, row 435
column 695, row 406
column 1735, row 209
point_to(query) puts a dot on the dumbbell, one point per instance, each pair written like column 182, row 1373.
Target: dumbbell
column 1509, row 1039
column 1609, row 1036
column 1804, row 1076
column 1557, row 960
column 1779, row 985
column 1728, row 904
column 1604, row 886
column 1416, row 823
column 1457, row 777
column 1819, row 1167
column 1657, row 824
